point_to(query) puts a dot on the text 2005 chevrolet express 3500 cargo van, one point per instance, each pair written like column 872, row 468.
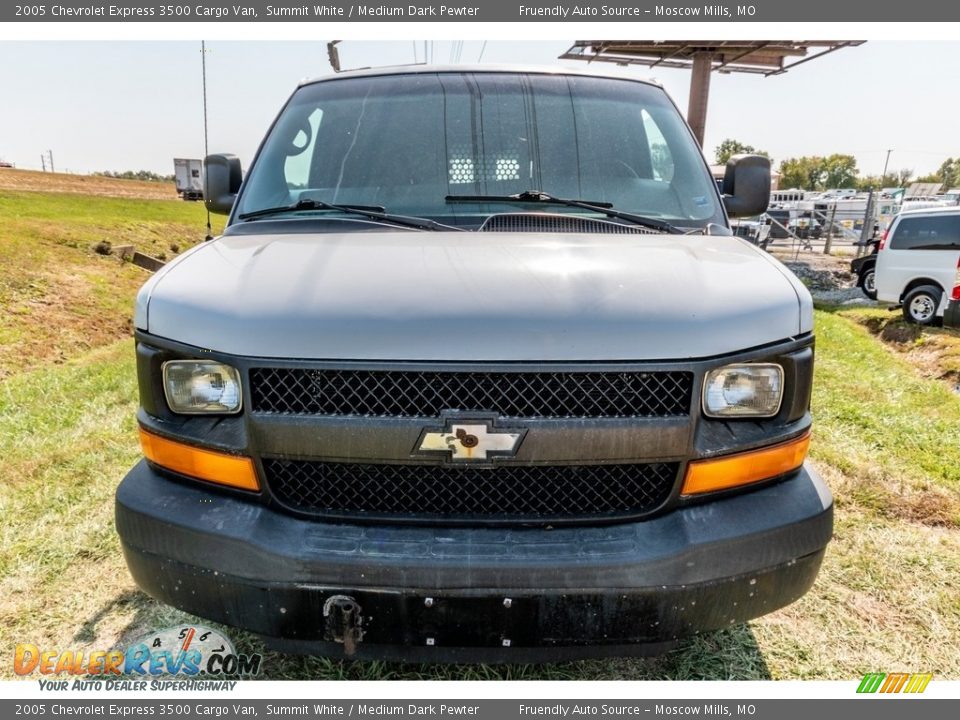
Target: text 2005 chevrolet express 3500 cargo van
column 476, row 371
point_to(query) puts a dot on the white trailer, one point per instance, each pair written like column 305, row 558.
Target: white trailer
column 189, row 178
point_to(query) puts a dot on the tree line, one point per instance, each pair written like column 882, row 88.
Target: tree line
column 146, row 175
column 815, row 172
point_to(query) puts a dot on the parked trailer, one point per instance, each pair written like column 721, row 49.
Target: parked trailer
column 189, row 178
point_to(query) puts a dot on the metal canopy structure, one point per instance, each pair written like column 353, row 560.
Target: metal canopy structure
column 758, row 57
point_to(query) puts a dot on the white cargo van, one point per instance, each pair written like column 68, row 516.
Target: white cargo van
column 476, row 372
column 918, row 260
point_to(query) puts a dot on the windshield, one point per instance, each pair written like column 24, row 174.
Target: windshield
column 407, row 142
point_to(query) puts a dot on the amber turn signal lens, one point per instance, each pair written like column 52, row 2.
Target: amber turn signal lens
column 731, row 471
column 216, row 467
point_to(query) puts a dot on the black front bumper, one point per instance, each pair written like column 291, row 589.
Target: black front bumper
column 475, row 594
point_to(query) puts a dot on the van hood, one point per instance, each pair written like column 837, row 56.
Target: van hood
column 451, row 296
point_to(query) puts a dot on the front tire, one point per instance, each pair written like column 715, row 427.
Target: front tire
column 920, row 304
column 868, row 283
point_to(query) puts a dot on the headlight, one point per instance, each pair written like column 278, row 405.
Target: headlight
column 748, row 390
column 195, row 387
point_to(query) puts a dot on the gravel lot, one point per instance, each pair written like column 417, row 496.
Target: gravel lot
column 828, row 277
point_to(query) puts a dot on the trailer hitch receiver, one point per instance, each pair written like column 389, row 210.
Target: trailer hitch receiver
column 344, row 622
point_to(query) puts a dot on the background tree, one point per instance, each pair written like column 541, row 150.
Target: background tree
column 839, row 171
column 730, row 147
column 903, row 177
column 897, row 178
column 949, row 172
column 805, row 173
column 819, row 173
column 148, row 175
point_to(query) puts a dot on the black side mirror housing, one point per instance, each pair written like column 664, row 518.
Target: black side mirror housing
column 222, row 178
column 746, row 185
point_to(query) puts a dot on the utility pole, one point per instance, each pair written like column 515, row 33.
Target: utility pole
column 43, row 161
column 828, row 243
column 50, row 152
column 866, row 231
column 203, row 69
column 206, row 136
column 885, row 164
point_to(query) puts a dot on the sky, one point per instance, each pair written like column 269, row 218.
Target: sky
column 136, row 105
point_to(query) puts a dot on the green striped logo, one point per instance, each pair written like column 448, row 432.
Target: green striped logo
column 894, row 682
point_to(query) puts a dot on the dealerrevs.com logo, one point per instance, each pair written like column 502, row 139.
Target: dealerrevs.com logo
column 189, row 650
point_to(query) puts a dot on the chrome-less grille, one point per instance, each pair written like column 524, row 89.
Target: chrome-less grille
column 427, row 394
column 511, row 493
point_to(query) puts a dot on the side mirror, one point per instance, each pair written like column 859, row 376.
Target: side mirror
column 746, row 185
column 221, row 183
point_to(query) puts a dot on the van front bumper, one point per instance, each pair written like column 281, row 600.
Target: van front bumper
column 474, row 594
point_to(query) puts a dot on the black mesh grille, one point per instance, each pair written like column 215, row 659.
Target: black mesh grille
column 509, row 394
column 412, row 492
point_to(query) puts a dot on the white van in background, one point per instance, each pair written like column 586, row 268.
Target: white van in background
column 917, row 262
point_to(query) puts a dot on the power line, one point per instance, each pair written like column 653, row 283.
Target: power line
column 482, row 50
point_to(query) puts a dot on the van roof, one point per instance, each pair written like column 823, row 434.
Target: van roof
column 948, row 210
column 459, row 69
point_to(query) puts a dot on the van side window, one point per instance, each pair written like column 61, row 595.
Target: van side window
column 927, row 233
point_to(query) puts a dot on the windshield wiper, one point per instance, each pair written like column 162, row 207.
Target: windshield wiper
column 536, row 196
column 374, row 212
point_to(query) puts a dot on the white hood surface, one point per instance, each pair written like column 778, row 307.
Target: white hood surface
column 451, row 296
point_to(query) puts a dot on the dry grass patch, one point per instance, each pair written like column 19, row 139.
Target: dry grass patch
column 34, row 181
column 933, row 351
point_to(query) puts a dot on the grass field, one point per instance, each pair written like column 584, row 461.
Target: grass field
column 885, row 439
column 59, row 298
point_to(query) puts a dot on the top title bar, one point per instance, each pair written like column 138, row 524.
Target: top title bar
column 488, row 11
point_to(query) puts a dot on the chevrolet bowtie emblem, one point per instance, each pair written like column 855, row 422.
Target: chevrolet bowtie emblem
column 470, row 440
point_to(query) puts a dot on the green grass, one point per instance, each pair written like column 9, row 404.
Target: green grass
column 59, row 298
column 876, row 414
column 886, row 597
column 78, row 220
column 66, row 435
column 935, row 351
